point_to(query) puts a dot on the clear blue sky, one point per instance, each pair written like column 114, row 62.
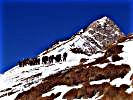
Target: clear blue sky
column 27, row 27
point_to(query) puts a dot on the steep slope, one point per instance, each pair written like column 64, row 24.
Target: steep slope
column 108, row 77
column 89, row 43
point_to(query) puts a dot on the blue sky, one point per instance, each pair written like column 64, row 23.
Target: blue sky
column 1, row 9
column 30, row 26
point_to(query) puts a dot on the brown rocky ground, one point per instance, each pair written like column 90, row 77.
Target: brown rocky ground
column 75, row 76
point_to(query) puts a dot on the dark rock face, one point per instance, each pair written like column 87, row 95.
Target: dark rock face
column 100, row 34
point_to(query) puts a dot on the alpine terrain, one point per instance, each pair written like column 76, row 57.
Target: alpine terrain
column 94, row 64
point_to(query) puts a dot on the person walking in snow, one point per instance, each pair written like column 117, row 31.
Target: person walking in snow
column 58, row 58
column 64, row 56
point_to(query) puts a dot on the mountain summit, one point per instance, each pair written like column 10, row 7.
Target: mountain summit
column 90, row 40
column 95, row 63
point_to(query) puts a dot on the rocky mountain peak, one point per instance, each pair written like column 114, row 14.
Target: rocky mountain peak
column 95, row 38
column 105, row 24
column 103, row 31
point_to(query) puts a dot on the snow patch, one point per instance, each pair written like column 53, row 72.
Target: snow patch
column 127, row 59
column 99, row 81
column 62, row 88
column 101, row 65
column 102, row 20
column 129, row 90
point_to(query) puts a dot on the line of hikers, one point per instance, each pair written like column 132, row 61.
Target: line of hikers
column 45, row 60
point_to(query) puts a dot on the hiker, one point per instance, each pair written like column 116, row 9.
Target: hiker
column 64, row 56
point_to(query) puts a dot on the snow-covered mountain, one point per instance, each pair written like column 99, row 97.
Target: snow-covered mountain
column 89, row 51
column 91, row 40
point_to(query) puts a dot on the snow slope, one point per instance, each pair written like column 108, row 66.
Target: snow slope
column 127, row 59
column 18, row 74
